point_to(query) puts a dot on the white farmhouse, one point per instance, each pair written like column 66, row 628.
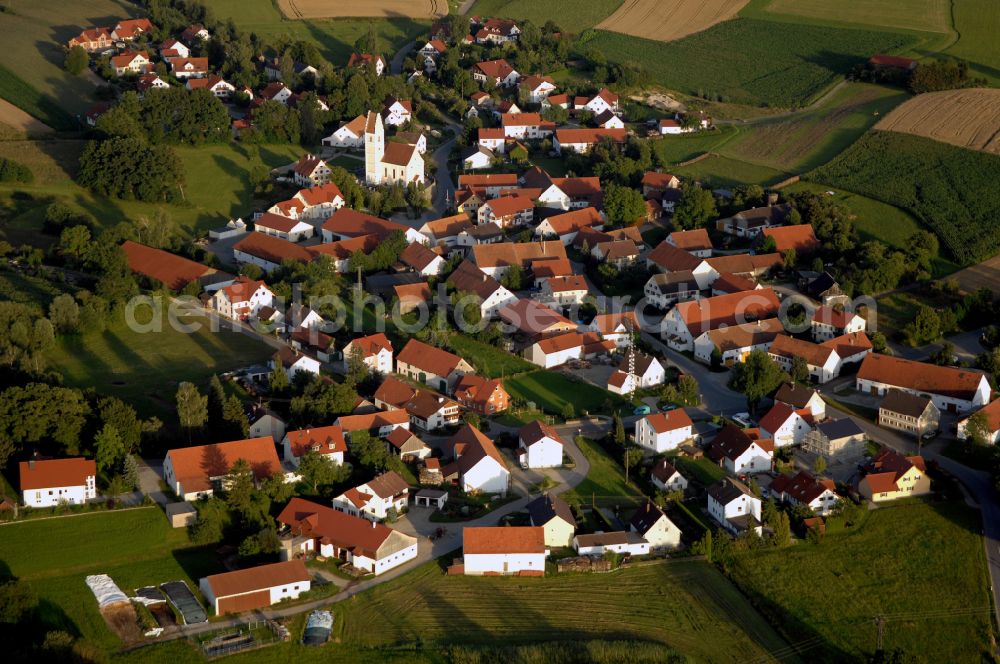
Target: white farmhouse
column 376, row 499
column 516, row 550
column 667, row 478
column 740, row 453
column 734, row 507
column 652, row 524
column 661, row 432
column 48, row 482
column 255, row 587
column 477, row 464
column 328, row 441
column 786, row 425
column 539, row 446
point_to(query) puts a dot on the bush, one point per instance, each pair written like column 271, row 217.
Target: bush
column 12, row 171
column 77, row 60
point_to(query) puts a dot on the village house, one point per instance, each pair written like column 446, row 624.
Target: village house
column 366, row 60
column 608, row 120
column 198, row 471
column 498, row 71
column 131, row 62
column 218, row 86
column 282, row 227
column 185, row 68
column 493, row 297
column 131, row 28
column 581, row 141
column 651, row 523
column 695, row 242
column 529, row 126
column 313, row 342
column 537, row 88
column 432, row 366
column 618, row 541
column 294, row 362
column 667, row 478
column 497, row 31
column 380, row 423
column 909, row 413
column 347, row 223
column 92, row 39
column 688, row 320
column 49, row 482
column 507, row 211
column 397, row 112
column 173, row 271
column 241, row 299
column 195, row 33
column 433, row 48
column 495, row 551
column 375, row 351
column 734, row 507
column 620, row 253
column 828, row 323
column 836, row 439
column 564, row 291
column 799, row 238
column 823, row 362
column 559, row 349
column 421, row 260
column 662, row 432
column 731, row 345
column 647, row 372
column 327, row 441
column 406, row 445
column 852, row 348
column 665, row 289
column 266, row 422
column 889, row 476
column 350, row 135
column 803, row 489
column 312, row 529
column 539, row 446
column 785, row 425
column 534, row 319
column 150, row 81
column 604, row 100
column 491, row 184
column 268, row 252
column 310, row 171
column 670, row 127
column 554, row 516
column 951, row 389
column 444, row 232
column 567, row 226
column 992, row 414
column 726, row 284
column 482, row 395
column 477, row 157
column 376, row 500
column 496, row 259
column 255, row 588
column 750, row 223
column 799, row 397
column 476, row 464
column 742, row 451
column 276, row 91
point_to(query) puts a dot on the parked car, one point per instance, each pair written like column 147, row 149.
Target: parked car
column 743, row 419
column 642, row 410
column 930, row 435
column 668, row 407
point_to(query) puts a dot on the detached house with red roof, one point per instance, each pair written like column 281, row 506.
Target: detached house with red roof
column 194, row 472
column 309, row 528
column 688, row 320
column 539, row 446
column 131, row 62
column 561, row 348
column 799, row 237
column 215, row 84
column 283, row 227
column 785, row 425
column 581, row 141
column 498, row 71
column 503, row 551
column 365, row 60
column 992, row 414
column 310, row 171
column 241, row 299
column 93, row 39
column 497, row 31
column 828, row 323
column 131, row 28
column 184, row 68
column 255, row 587
column 49, row 482
column 537, row 87
column 375, row 351
column 951, row 389
column 431, row 366
column 328, row 441
column 476, row 463
column 889, row 476
column 396, row 112
column 605, row 100
column 482, row 395
column 823, row 362
column 662, row 432
column 376, row 499
column 742, row 451
column 803, row 489
column 696, row 242
column 350, row 135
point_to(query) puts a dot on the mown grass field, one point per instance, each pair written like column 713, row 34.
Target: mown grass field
column 605, row 478
column 920, row 565
column 570, row 15
column 135, row 547
column 551, row 391
column 144, row 369
column 488, row 360
column 677, row 604
column 721, row 171
column 924, row 15
column 677, row 149
column 809, row 140
column 335, row 37
column 975, row 22
column 751, row 61
column 35, row 35
column 949, row 189
column 217, row 190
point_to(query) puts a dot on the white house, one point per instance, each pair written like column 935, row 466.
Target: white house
column 477, row 463
column 197, row 471
column 667, row 288
column 530, row 126
column 431, row 366
column 218, row 86
column 605, row 100
column 498, row 71
column 131, row 62
column 803, row 489
column 735, row 342
column 363, row 544
column 558, row 350
column 241, row 299
column 376, row 499
column 554, row 515
column 646, row 372
column 619, row 541
column 294, row 362
column 328, row 441
column 478, row 157
column 785, row 425
column 799, row 397
column 515, row 550
column 397, row 112
column 667, row 478
column 652, row 524
column 350, row 135
column 609, row 120
column 310, row 170
column 661, row 432
column 822, row 362
column 539, row 446
column 828, row 323
column 174, row 49
column 734, row 507
column 740, row 453
column 375, row 351
column 951, row 389
column 48, row 482
column 537, row 88
column 255, row 587
column 421, row 260
column 564, row 291
column 493, row 297
column 992, row 414
column 283, row 227
column 184, row 68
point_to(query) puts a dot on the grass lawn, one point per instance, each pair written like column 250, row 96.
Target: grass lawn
column 518, row 418
column 701, row 470
column 834, row 591
column 976, row 21
column 488, row 360
column 925, row 15
column 570, row 15
column 135, row 547
column 551, row 391
column 606, row 476
column 719, row 171
column 218, row 186
column 676, row 604
column 145, row 368
column 676, row 149
column 554, row 166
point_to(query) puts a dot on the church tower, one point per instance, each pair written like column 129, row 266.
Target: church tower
column 374, row 148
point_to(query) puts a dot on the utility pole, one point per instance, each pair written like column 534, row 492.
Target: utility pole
column 880, row 625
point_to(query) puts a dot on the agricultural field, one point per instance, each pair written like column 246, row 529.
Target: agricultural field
column 677, row 149
column 777, row 64
column 21, row 122
column 570, row 15
column 32, row 76
column 667, row 20
column 976, row 23
column 923, row 15
column 983, row 275
column 135, row 547
column 809, row 140
column 951, row 190
column 966, row 118
column 675, row 604
column 834, row 590
column 720, row 171
column 297, row 9
column 552, row 391
column 144, row 368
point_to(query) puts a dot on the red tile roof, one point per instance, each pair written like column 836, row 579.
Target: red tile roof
column 516, row 253
column 534, row 318
column 496, row 69
column 471, row 446
column 779, row 414
column 371, row 345
column 503, row 539
column 693, row 240
column 351, row 223
column 368, row 421
column 261, row 577
column 569, row 222
column 663, row 181
column 276, row 222
column 735, row 308
column 324, row 440
column 174, row 272
column 731, row 283
column 195, row 467
column 508, row 205
column 589, row 136
column 56, row 473
column 814, row 354
column 920, row 377
column 669, row 421
column 850, row 344
column 887, row 467
column 242, row 289
column 428, row 358
column 272, row 249
column 324, row 193
column 326, row 524
column 802, row 487
column 673, row 259
column 799, row 237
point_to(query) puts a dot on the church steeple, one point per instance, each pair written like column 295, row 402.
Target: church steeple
column 374, row 147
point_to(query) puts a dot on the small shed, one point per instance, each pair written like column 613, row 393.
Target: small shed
column 435, row 498
column 181, row 514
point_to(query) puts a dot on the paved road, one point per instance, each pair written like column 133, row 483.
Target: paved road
column 715, row 394
column 396, row 65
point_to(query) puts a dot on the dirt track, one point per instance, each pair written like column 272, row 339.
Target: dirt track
column 305, row 9
column 966, row 118
column 666, row 20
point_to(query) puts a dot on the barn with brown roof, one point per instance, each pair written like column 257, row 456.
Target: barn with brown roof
column 255, row 587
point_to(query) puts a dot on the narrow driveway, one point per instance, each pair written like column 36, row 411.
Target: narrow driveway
column 396, row 65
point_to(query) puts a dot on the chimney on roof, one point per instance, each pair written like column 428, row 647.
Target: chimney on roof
column 373, row 524
column 31, row 464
